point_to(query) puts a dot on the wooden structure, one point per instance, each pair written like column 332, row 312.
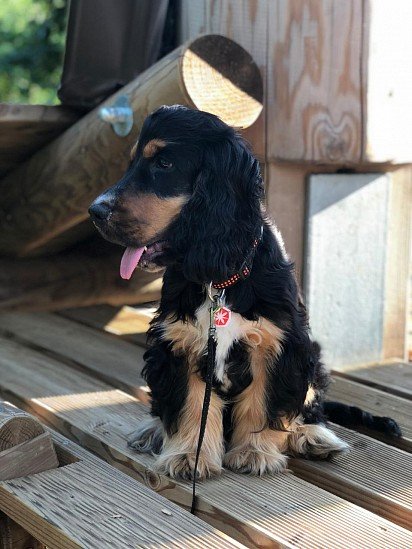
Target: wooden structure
column 337, row 99
column 60, row 368
column 335, row 102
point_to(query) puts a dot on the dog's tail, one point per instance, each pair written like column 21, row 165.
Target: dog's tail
column 351, row 416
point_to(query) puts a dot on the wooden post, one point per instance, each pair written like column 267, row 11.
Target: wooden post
column 51, row 192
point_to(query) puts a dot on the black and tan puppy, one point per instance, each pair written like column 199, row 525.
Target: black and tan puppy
column 191, row 201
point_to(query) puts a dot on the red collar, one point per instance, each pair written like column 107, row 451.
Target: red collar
column 244, row 270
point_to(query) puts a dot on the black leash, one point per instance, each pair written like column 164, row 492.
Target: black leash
column 211, row 359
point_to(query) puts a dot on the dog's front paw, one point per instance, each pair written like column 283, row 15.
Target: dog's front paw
column 252, row 461
column 183, row 466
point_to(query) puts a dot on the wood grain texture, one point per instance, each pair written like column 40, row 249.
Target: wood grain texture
column 391, row 377
column 372, row 475
column 16, row 427
column 90, row 504
column 244, row 21
column 71, row 279
column 398, row 265
column 286, row 205
column 28, row 458
column 270, row 511
column 387, row 81
column 314, row 89
column 13, row 536
column 108, row 358
column 24, row 129
column 377, row 403
column 51, row 192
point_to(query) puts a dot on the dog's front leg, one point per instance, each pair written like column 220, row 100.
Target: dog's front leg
column 254, row 447
column 177, row 458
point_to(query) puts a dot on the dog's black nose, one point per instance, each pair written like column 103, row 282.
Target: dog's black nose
column 100, row 210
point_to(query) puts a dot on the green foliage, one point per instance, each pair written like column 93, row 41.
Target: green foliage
column 32, row 37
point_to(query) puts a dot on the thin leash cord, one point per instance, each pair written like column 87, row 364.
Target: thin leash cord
column 211, row 354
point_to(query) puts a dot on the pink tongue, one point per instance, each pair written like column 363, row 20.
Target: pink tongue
column 130, row 260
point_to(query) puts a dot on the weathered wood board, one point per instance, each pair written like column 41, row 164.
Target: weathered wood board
column 126, row 322
column 108, row 358
column 313, row 96
column 391, row 377
column 101, row 418
column 90, row 504
column 377, row 403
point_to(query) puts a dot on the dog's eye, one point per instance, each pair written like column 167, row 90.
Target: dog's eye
column 163, row 164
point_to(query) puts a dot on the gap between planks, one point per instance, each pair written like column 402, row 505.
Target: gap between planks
column 281, row 509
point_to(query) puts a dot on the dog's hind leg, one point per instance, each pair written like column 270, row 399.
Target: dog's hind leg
column 148, row 438
column 315, row 441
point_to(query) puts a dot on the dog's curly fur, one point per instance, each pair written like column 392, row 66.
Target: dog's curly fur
column 194, row 186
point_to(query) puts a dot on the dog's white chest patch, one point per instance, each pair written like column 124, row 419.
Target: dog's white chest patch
column 226, row 336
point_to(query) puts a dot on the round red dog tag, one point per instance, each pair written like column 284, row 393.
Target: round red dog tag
column 222, row 316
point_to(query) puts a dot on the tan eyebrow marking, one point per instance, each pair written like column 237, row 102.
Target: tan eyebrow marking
column 152, row 147
column 133, row 151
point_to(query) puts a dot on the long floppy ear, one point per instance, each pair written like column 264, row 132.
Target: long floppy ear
column 223, row 216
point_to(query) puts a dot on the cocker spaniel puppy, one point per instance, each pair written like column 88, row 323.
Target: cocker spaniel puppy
column 191, row 202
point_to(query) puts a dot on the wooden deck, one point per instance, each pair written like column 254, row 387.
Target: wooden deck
column 78, row 371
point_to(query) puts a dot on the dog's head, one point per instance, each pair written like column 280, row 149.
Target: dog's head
column 191, row 197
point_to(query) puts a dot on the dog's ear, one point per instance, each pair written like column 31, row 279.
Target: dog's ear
column 223, row 216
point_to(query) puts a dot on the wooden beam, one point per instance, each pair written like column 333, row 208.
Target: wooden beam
column 387, row 81
column 52, row 191
column 314, row 86
column 71, row 280
column 28, row 458
column 13, row 536
column 391, row 377
column 24, row 129
column 242, row 20
column 25, row 447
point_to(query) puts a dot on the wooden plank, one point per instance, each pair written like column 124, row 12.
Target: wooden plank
column 24, row 129
column 70, row 280
column 286, row 204
column 377, row 403
column 373, row 475
column 69, row 173
column 391, row 377
column 269, row 511
column 30, row 457
column 314, row 88
column 99, row 506
column 108, row 358
column 130, row 323
column 398, row 263
column 13, row 536
column 387, row 81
